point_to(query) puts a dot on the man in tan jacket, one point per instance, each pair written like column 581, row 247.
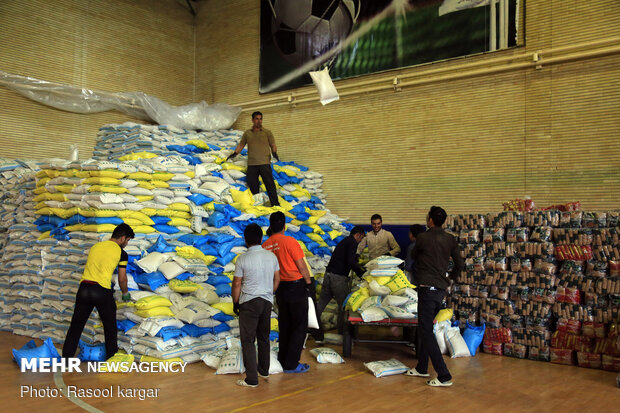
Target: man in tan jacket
column 379, row 241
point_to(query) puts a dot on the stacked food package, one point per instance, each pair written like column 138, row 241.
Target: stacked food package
column 546, row 283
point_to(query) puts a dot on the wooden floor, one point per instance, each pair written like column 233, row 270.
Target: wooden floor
column 484, row 383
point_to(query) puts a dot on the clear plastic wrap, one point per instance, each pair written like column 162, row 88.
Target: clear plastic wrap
column 136, row 104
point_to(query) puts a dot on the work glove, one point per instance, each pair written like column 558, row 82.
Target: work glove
column 308, row 290
column 236, row 308
column 126, row 297
column 231, row 156
column 275, row 155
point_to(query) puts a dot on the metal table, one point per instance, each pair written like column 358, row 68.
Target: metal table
column 353, row 321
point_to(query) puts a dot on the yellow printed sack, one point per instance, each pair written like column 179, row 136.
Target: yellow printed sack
column 274, row 325
column 185, row 286
column 108, row 173
column 108, row 188
column 226, row 308
column 154, row 312
column 242, row 197
column 357, row 298
column 398, row 282
column 162, row 176
column 198, row 143
column 101, row 180
column 443, row 315
column 97, row 228
column 118, row 363
column 136, row 156
column 193, row 252
column 379, row 280
column 152, row 301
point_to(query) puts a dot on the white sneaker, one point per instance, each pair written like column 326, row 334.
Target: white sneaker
column 243, row 383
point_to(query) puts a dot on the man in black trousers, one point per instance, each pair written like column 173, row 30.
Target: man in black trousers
column 431, row 254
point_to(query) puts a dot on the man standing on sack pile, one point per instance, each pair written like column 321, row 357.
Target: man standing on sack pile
column 336, row 283
column 431, row 254
column 261, row 145
column 96, row 290
column 379, row 241
column 292, row 294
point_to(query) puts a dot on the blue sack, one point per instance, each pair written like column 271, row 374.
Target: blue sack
column 222, row 317
column 223, row 289
column 28, row 352
column 91, row 352
column 473, row 336
column 195, row 331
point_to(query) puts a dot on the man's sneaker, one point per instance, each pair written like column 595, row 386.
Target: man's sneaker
column 266, row 378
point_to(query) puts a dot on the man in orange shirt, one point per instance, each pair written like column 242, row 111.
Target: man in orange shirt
column 291, row 295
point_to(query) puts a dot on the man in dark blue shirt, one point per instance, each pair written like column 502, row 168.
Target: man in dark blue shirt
column 336, row 281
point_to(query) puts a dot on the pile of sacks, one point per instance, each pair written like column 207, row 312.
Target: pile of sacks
column 188, row 208
column 385, row 292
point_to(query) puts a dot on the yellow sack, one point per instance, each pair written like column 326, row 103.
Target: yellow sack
column 242, row 197
column 185, row 286
column 143, row 229
column 40, row 190
column 309, row 268
column 118, row 363
column 145, row 219
column 226, row 308
column 106, row 188
column 316, row 212
column 73, row 228
column 154, row 312
column 178, row 206
column 333, row 234
column 379, row 280
column 172, row 213
column 64, row 213
column 99, row 228
column 159, row 184
column 151, row 359
column 65, row 189
column 191, row 174
column 317, row 230
column 230, row 165
column 149, row 211
column 152, row 301
column 132, row 222
column 108, row 173
column 179, row 222
column 193, row 252
column 46, row 196
column 137, row 155
column 398, row 282
column 44, row 235
column 312, row 220
column 198, row 143
column 162, row 176
column 357, row 298
column 42, row 181
column 146, row 185
column 443, row 315
column 315, row 237
column 100, row 213
column 144, row 198
column 274, row 325
column 102, row 180
column 140, row 176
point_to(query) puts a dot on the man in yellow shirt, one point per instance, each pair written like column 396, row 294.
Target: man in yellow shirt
column 379, row 241
column 96, row 290
column 261, row 145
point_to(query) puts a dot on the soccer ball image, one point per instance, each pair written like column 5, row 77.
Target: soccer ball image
column 302, row 30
